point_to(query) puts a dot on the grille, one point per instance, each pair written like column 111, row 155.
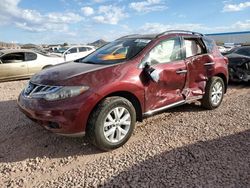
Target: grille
column 36, row 89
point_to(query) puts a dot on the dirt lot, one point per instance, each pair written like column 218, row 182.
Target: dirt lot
column 183, row 147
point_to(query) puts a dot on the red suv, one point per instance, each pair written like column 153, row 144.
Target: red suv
column 105, row 93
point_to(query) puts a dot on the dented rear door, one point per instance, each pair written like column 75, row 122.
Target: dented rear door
column 200, row 66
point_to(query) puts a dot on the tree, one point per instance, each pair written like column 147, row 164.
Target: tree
column 65, row 44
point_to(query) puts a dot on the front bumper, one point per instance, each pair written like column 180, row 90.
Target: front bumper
column 61, row 117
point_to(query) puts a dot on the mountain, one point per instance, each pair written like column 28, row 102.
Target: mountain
column 30, row 46
column 98, row 43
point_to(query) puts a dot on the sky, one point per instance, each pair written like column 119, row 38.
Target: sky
column 84, row 21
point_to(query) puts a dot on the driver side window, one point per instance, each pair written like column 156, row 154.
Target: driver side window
column 166, row 51
column 13, row 58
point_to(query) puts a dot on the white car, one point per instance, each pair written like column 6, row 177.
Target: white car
column 19, row 64
column 75, row 52
column 222, row 49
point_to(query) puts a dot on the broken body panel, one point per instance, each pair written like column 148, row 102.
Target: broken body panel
column 239, row 67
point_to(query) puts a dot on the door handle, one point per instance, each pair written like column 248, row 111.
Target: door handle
column 181, row 71
column 209, row 64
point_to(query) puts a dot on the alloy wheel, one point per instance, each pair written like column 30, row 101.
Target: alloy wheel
column 117, row 124
column 217, row 93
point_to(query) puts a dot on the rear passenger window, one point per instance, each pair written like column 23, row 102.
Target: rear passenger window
column 73, row 50
column 88, row 48
column 29, row 56
column 193, row 48
column 82, row 49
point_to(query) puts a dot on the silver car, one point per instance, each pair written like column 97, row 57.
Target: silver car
column 20, row 64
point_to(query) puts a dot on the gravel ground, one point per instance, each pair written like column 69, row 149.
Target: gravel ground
column 183, row 147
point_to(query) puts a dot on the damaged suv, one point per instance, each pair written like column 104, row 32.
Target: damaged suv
column 105, row 93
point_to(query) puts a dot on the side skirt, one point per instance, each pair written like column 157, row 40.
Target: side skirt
column 179, row 103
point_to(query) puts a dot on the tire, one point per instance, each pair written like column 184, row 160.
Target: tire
column 210, row 100
column 100, row 124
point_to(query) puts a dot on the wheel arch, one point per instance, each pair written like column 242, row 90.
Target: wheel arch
column 47, row 66
column 133, row 99
column 127, row 95
column 224, row 78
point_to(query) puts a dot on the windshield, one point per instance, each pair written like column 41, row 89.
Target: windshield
column 117, row 51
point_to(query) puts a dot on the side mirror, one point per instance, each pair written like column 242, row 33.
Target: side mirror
column 155, row 75
column 151, row 72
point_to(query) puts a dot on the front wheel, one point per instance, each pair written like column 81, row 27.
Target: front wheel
column 214, row 93
column 112, row 123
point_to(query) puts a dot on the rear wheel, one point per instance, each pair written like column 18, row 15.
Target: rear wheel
column 112, row 123
column 214, row 93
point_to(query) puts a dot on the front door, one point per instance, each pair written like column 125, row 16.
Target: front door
column 83, row 51
column 165, row 58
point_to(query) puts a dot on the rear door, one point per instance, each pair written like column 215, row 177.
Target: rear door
column 167, row 61
column 32, row 61
column 199, row 65
column 13, row 65
column 83, row 51
column 71, row 54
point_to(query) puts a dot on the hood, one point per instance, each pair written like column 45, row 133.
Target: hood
column 63, row 72
column 235, row 59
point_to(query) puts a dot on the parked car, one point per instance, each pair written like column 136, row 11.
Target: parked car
column 229, row 46
column 20, row 64
column 239, row 63
column 222, row 49
column 104, row 98
column 74, row 52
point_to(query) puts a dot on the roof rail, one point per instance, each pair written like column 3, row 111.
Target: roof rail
column 179, row 31
column 127, row 36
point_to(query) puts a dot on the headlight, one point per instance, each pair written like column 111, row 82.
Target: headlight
column 65, row 92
